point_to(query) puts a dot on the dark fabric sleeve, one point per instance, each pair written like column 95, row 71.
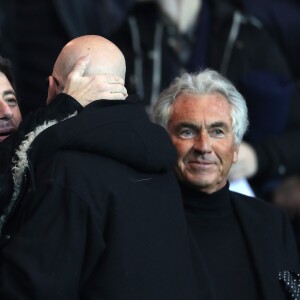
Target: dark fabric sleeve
column 289, row 275
column 58, row 109
column 62, row 106
column 292, row 252
column 60, row 241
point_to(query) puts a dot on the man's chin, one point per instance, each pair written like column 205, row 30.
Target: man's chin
column 200, row 182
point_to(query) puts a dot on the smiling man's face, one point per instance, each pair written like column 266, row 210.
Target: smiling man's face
column 200, row 128
column 10, row 115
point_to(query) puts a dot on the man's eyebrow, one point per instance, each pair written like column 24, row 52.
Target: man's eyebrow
column 188, row 125
column 218, row 124
column 196, row 127
column 9, row 92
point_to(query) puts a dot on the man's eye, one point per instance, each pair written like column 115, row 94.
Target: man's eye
column 217, row 132
column 11, row 101
column 186, row 133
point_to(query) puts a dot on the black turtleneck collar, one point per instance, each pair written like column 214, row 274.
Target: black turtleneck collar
column 215, row 204
column 218, row 244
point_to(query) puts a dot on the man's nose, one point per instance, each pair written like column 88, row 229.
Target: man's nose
column 6, row 112
column 202, row 143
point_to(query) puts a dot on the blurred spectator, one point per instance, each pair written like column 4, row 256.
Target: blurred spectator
column 33, row 33
column 282, row 19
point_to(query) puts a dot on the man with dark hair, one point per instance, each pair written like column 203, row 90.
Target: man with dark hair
column 10, row 115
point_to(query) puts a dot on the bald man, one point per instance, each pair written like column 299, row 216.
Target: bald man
column 98, row 214
column 107, row 59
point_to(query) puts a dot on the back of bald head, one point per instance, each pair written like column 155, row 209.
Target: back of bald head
column 106, row 57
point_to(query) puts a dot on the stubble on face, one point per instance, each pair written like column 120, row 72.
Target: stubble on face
column 10, row 115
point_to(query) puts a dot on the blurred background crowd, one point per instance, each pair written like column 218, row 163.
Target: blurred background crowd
column 254, row 43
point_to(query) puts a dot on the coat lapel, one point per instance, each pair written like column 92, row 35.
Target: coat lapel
column 261, row 247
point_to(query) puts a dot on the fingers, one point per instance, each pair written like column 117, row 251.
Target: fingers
column 115, row 88
column 114, row 91
column 81, row 65
column 86, row 89
column 109, row 78
column 114, row 96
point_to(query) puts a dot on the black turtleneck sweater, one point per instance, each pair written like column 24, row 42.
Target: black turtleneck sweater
column 219, row 247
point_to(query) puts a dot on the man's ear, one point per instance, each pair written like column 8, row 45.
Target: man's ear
column 52, row 89
column 236, row 153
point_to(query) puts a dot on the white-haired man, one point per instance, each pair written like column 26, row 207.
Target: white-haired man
column 243, row 245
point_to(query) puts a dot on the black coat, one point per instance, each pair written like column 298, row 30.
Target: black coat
column 267, row 234
column 57, row 110
column 270, row 241
column 102, row 215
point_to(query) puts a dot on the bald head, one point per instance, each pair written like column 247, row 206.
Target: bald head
column 106, row 57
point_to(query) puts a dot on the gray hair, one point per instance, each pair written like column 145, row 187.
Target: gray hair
column 205, row 82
